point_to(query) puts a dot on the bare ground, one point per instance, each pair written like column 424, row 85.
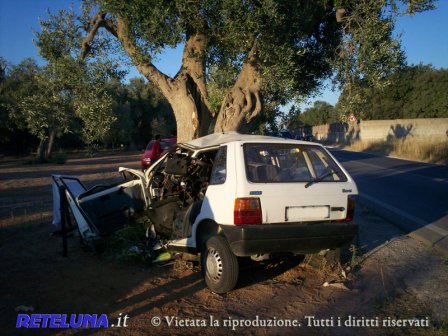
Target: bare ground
column 393, row 277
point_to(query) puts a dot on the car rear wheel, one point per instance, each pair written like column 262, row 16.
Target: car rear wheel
column 219, row 265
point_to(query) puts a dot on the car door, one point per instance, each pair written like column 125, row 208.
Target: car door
column 111, row 207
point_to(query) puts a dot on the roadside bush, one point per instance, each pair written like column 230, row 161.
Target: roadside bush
column 127, row 244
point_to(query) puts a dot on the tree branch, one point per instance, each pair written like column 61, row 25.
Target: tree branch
column 162, row 81
column 121, row 31
column 95, row 24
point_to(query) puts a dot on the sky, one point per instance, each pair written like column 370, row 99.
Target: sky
column 424, row 37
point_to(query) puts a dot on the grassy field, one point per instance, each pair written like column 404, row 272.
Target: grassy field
column 424, row 150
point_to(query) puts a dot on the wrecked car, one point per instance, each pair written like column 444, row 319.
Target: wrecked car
column 225, row 196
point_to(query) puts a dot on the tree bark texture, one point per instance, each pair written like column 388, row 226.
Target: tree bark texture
column 244, row 101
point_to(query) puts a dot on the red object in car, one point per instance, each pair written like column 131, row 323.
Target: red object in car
column 165, row 145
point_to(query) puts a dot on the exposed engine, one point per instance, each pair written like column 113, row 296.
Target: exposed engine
column 177, row 188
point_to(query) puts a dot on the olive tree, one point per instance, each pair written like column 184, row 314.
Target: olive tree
column 33, row 101
column 83, row 84
column 269, row 51
column 46, row 110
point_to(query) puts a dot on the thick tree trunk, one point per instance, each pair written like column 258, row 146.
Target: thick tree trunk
column 192, row 115
column 192, row 74
column 45, row 147
column 40, row 156
column 50, row 144
column 244, row 101
column 186, row 92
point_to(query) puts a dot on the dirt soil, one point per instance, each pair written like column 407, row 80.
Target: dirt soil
column 388, row 277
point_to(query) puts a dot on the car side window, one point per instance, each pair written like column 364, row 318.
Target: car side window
column 219, row 170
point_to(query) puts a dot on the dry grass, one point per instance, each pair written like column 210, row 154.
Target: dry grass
column 423, row 150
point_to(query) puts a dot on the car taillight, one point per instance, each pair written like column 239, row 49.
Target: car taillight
column 350, row 209
column 247, row 210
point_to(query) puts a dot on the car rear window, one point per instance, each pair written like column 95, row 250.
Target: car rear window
column 267, row 162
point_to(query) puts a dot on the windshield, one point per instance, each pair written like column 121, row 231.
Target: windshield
column 267, row 162
column 163, row 144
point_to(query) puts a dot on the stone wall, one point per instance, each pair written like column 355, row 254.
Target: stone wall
column 432, row 129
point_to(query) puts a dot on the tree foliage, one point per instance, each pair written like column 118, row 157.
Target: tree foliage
column 137, row 107
column 320, row 113
column 241, row 59
column 280, row 48
column 369, row 53
column 65, row 88
column 21, row 82
column 45, row 99
column 417, row 91
column 18, row 81
column 37, row 101
column 8, row 93
column 241, row 56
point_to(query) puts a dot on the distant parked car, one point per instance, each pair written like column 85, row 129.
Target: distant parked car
column 165, row 145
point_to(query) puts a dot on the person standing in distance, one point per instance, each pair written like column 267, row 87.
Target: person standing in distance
column 155, row 151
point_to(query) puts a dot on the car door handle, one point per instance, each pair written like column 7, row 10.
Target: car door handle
column 337, row 209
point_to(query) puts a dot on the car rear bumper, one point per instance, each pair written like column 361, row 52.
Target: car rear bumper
column 300, row 238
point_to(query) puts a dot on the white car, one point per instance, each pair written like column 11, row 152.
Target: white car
column 229, row 195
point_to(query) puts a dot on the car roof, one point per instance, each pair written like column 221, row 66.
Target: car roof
column 217, row 139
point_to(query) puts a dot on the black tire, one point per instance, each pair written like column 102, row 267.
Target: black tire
column 219, row 265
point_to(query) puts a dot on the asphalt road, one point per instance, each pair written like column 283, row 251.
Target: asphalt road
column 417, row 193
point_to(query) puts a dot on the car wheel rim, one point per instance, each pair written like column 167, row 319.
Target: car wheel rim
column 214, row 265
